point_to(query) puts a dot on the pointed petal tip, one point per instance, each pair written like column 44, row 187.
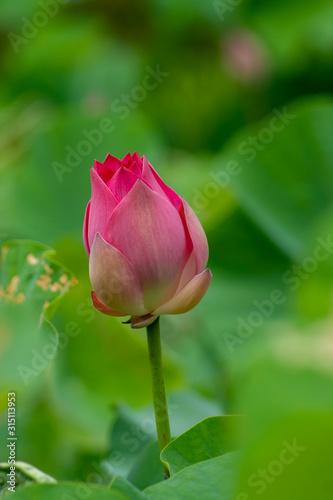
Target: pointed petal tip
column 97, row 239
column 97, row 164
column 107, row 156
column 187, row 298
column 100, row 306
column 122, row 182
column 111, row 161
column 138, row 159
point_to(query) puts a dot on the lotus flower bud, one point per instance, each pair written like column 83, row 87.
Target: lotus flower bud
column 147, row 250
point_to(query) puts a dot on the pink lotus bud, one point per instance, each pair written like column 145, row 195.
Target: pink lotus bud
column 147, row 249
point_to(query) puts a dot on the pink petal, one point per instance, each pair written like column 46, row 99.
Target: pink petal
column 171, row 194
column 114, row 279
column 142, row 321
column 149, row 178
column 156, row 183
column 188, row 297
column 127, row 160
column 148, row 230
column 85, row 230
column 112, row 163
column 137, row 158
column 104, row 172
column 102, row 205
column 189, row 271
column 135, row 169
column 100, row 306
column 121, row 183
column 200, row 244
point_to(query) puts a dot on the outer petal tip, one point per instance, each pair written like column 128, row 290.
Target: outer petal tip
column 111, row 162
column 100, row 306
column 188, row 297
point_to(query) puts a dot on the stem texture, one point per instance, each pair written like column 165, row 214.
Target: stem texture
column 159, row 398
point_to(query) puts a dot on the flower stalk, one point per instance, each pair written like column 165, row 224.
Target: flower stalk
column 159, row 398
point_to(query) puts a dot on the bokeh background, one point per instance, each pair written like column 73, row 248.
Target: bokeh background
column 261, row 188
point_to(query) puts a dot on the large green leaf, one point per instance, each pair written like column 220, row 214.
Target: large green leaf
column 214, row 479
column 208, row 439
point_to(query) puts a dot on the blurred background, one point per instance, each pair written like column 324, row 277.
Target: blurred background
column 232, row 105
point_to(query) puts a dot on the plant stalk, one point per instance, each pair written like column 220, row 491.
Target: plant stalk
column 159, row 398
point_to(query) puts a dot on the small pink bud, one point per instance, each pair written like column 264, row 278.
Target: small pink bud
column 147, row 249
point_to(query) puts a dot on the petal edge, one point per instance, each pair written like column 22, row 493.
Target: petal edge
column 142, row 321
column 100, row 306
column 188, row 297
column 114, row 279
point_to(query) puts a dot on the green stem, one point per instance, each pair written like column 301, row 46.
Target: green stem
column 159, row 399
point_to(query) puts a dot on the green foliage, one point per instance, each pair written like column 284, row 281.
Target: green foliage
column 69, row 492
column 120, row 484
column 259, row 344
column 29, row 274
column 32, row 284
column 213, row 479
column 24, row 474
column 284, row 180
column 208, row 439
column 148, row 468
